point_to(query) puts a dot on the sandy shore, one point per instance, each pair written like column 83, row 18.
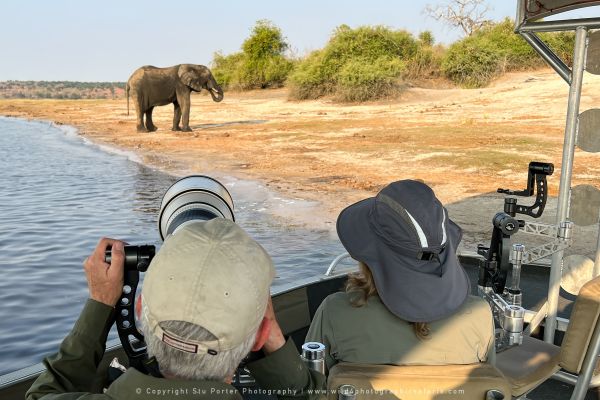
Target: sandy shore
column 464, row 143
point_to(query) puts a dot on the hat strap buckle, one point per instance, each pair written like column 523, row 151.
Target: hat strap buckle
column 430, row 255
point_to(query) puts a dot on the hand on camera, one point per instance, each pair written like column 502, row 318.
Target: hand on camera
column 105, row 281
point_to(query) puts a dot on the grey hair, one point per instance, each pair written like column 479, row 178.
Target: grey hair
column 190, row 366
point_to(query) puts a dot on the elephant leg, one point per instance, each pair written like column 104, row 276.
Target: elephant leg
column 149, row 124
column 184, row 101
column 140, row 117
column 176, row 116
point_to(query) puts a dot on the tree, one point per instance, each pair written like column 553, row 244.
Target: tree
column 266, row 40
column 468, row 15
column 261, row 63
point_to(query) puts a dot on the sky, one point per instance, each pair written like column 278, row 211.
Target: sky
column 107, row 40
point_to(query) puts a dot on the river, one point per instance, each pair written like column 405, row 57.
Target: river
column 61, row 193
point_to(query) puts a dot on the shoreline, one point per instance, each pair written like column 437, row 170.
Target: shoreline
column 277, row 201
column 325, row 156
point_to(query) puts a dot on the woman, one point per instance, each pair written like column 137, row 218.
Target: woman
column 409, row 304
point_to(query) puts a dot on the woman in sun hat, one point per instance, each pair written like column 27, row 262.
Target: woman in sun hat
column 409, row 304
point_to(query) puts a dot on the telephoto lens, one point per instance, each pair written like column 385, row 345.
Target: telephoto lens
column 193, row 198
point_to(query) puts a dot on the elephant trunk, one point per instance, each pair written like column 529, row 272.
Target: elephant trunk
column 216, row 93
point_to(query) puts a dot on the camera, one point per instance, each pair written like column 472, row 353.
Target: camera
column 190, row 199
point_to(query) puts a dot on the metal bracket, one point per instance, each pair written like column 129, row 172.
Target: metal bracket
column 335, row 262
column 562, row 235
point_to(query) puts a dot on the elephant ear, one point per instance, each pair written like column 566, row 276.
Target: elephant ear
column 190, row 78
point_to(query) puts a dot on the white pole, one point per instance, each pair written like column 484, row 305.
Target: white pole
column 566, row 171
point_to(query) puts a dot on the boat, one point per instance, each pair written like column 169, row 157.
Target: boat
column 542, row 352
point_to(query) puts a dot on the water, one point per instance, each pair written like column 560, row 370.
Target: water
column 60, row 194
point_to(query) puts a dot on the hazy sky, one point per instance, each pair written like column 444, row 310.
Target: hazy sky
column 106, row 40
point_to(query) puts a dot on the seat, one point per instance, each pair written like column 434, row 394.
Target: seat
column 530, row 364
column 351, row 381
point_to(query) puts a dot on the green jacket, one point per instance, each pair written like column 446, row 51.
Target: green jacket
column 69, row 373
column 371, row 334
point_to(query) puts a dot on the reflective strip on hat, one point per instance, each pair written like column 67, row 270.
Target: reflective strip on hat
column 422, row 237
column 443, row 228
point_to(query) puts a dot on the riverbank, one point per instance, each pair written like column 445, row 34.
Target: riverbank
column 464, row 143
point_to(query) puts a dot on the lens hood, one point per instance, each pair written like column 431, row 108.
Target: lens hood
column 193, row 198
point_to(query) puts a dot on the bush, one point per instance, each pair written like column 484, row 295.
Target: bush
column 475, row 60
column 309, row 79
column 363, row 79
column 226, row 68
column 260, row 64
column 356, row 64
column 470, row 64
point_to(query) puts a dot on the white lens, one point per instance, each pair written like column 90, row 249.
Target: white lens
column 193, row 198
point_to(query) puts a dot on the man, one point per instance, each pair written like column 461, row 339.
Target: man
column 205, row 305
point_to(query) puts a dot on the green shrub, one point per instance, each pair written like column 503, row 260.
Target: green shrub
column 356, row 64
column 309, row 79
column 225, row 68
column 475, row 60
column 260, row 64
column 470, row 64
column 363, row 79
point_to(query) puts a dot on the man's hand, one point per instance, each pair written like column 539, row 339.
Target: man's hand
column 275, row 339
column 105, row 281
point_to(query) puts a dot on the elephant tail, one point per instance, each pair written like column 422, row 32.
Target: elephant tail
column 127, row 95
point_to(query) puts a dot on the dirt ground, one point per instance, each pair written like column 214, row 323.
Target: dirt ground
column 464, row 143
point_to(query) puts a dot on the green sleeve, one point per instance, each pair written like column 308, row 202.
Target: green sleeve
column 283, row 373
column 320, row 331
column 70, row 373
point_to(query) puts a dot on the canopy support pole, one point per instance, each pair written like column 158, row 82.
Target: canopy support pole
column 564, row 192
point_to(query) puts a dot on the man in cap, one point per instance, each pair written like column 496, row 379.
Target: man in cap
column 205, row 305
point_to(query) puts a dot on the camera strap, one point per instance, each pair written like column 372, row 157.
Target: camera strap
column 151, row 367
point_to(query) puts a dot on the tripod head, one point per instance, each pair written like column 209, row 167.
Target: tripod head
column 537, row 172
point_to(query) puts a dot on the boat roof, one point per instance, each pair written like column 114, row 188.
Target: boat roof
column 536, row 9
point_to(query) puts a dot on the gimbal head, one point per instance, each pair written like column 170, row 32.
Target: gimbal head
column 537, row 173
column 502, row 256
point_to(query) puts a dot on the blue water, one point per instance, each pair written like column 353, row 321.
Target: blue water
column 59, row 195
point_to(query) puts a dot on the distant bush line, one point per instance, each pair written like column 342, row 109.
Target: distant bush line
column 61, row 90
column 375, row 62
column 356, row 64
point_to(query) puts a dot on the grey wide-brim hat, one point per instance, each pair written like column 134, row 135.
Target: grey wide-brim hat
column 408, row 242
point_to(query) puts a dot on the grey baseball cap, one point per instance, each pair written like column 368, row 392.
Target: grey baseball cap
column 211, row 274
column 405, row 237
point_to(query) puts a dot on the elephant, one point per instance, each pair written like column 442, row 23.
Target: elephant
column 151, row 86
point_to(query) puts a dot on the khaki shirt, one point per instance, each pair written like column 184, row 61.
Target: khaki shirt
column 371, row 334
column 71, row 372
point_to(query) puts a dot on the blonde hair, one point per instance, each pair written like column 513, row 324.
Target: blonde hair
column 362, row 285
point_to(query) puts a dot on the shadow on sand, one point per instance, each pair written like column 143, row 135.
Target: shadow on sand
column 245, row 122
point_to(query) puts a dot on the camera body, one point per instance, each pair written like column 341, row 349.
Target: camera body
column 136, row 257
